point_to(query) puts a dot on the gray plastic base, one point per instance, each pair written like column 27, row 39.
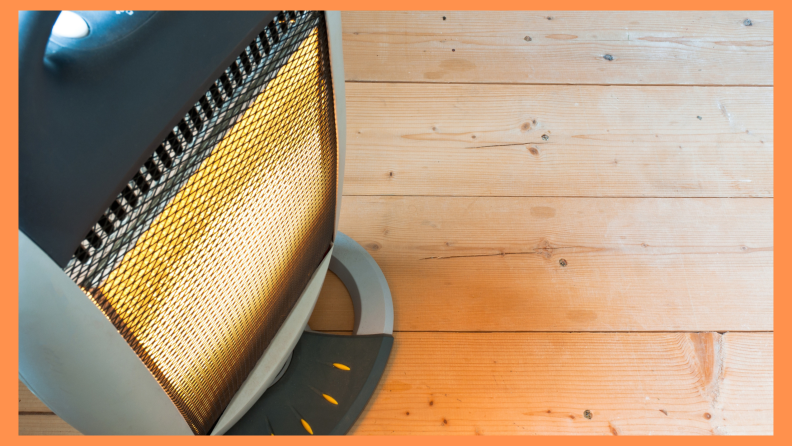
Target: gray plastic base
column 296, row 403
column 367, row 286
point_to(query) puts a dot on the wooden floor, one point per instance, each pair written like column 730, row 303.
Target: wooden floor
column 574, row 212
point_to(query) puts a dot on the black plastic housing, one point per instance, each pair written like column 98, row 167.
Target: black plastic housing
column 92, row 110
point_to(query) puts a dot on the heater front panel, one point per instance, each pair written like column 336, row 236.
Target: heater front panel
column 201, row 258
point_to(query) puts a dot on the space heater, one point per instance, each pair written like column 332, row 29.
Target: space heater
column 180, row 178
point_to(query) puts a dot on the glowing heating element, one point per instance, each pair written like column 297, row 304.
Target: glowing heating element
column 207, row 285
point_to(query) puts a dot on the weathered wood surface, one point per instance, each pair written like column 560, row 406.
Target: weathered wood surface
column 29, row 402
column 567, row 47
column 632, row 264
column 44, row 424
column 542, row 383
column 517, row 140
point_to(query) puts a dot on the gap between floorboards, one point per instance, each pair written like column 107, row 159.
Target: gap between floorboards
column 558, row 83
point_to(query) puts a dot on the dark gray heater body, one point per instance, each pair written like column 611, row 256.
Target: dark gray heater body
column 93, row 110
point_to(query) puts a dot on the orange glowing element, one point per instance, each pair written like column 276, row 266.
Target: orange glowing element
column 202, row 277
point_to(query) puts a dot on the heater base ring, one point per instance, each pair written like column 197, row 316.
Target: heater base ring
column 366, row 284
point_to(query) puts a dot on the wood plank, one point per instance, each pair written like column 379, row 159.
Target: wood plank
column 632, row 264
column 542, row 383
column 45, row 425
column 648, row 47
column 745, row 397
column 506, row 140
column 29, row 402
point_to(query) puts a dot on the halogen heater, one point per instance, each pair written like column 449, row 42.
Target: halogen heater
column 180, row 178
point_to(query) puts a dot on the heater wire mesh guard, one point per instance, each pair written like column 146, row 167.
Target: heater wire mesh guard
column 204, row 253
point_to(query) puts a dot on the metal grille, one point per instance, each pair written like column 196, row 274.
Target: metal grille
column 202, row 256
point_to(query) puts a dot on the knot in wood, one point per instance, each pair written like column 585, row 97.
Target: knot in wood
column 544, row 249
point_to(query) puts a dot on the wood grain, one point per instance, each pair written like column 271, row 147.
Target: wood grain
column 540, row 383
column 651, row 47
column 506, row 140
column 46, row 424
column 745, row 396
column 29, row 402
column 633, row 264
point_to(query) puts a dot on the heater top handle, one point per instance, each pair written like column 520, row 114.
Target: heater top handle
column 102, row 28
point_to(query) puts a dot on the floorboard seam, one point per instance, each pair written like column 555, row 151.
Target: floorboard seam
column 348, row 81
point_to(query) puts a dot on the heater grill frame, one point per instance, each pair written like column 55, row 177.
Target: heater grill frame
column 201, row 395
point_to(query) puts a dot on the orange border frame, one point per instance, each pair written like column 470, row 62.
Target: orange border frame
column 9, row 423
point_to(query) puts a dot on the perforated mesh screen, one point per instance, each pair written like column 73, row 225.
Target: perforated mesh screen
column 201, row 258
